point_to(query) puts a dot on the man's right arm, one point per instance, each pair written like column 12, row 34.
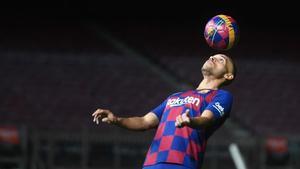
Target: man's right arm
column 148, row 121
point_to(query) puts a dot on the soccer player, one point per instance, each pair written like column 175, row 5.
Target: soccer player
column 185, row 120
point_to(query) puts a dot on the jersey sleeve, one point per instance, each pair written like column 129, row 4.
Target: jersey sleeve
column 221, row 105
column 158, row 111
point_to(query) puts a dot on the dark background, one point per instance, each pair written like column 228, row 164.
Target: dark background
column 271, row 25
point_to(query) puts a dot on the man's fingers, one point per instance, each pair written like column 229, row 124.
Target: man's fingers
column 178, row 121
column 177, row 124
column 96, row 118
column 103, row 115
column 183, row 119
column 96, row 112
column 187, row 112
column 99, row 111
column 96, row 115
column 186, row 118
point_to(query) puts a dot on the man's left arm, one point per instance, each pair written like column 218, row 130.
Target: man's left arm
column 219, row 108
column 205, row 120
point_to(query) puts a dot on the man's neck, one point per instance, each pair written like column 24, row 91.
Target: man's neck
column 209, row 84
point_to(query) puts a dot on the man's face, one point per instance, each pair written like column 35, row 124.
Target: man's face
column 216, row 65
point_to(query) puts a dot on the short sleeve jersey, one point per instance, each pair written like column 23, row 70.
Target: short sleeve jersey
column 186, row 146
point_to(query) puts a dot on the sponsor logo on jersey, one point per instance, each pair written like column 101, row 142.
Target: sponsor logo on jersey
column 187, row 100
column 220, row 109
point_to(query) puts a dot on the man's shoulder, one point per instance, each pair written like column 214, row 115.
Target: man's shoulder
column 224, row 92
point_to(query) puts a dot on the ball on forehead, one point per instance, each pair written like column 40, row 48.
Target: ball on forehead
column 221, row 32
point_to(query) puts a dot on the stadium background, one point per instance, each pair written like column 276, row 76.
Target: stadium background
column 59, row 61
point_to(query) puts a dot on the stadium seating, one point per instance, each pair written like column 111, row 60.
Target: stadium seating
column 61, row 91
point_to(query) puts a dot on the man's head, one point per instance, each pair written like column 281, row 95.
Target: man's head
column 219, row 66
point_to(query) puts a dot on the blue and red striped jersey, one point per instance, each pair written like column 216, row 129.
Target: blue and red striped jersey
column 186, row 146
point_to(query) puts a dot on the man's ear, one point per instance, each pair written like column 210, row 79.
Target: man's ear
column 228, row 76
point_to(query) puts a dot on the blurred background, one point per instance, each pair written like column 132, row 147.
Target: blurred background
column 60, row 61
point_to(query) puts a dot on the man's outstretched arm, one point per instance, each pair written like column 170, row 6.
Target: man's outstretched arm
column 145, row 122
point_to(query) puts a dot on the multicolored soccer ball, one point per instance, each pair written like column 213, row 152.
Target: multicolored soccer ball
column 221, row 32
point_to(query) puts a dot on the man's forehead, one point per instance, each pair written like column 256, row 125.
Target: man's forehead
column 229, row 62
column 221, row 55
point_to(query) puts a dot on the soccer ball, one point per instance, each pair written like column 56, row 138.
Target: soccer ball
column 221, row 32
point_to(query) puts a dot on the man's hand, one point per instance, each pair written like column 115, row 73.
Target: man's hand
column 105, row 116
column 183, row 120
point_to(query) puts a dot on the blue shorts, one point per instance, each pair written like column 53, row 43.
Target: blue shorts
column 166, row 166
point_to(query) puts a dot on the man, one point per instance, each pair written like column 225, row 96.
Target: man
column 185, row 120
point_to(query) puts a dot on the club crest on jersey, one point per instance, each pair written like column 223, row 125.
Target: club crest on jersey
column 187, row 100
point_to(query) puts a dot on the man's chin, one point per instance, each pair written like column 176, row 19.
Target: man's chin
column 206, row 68
column 206, row 71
